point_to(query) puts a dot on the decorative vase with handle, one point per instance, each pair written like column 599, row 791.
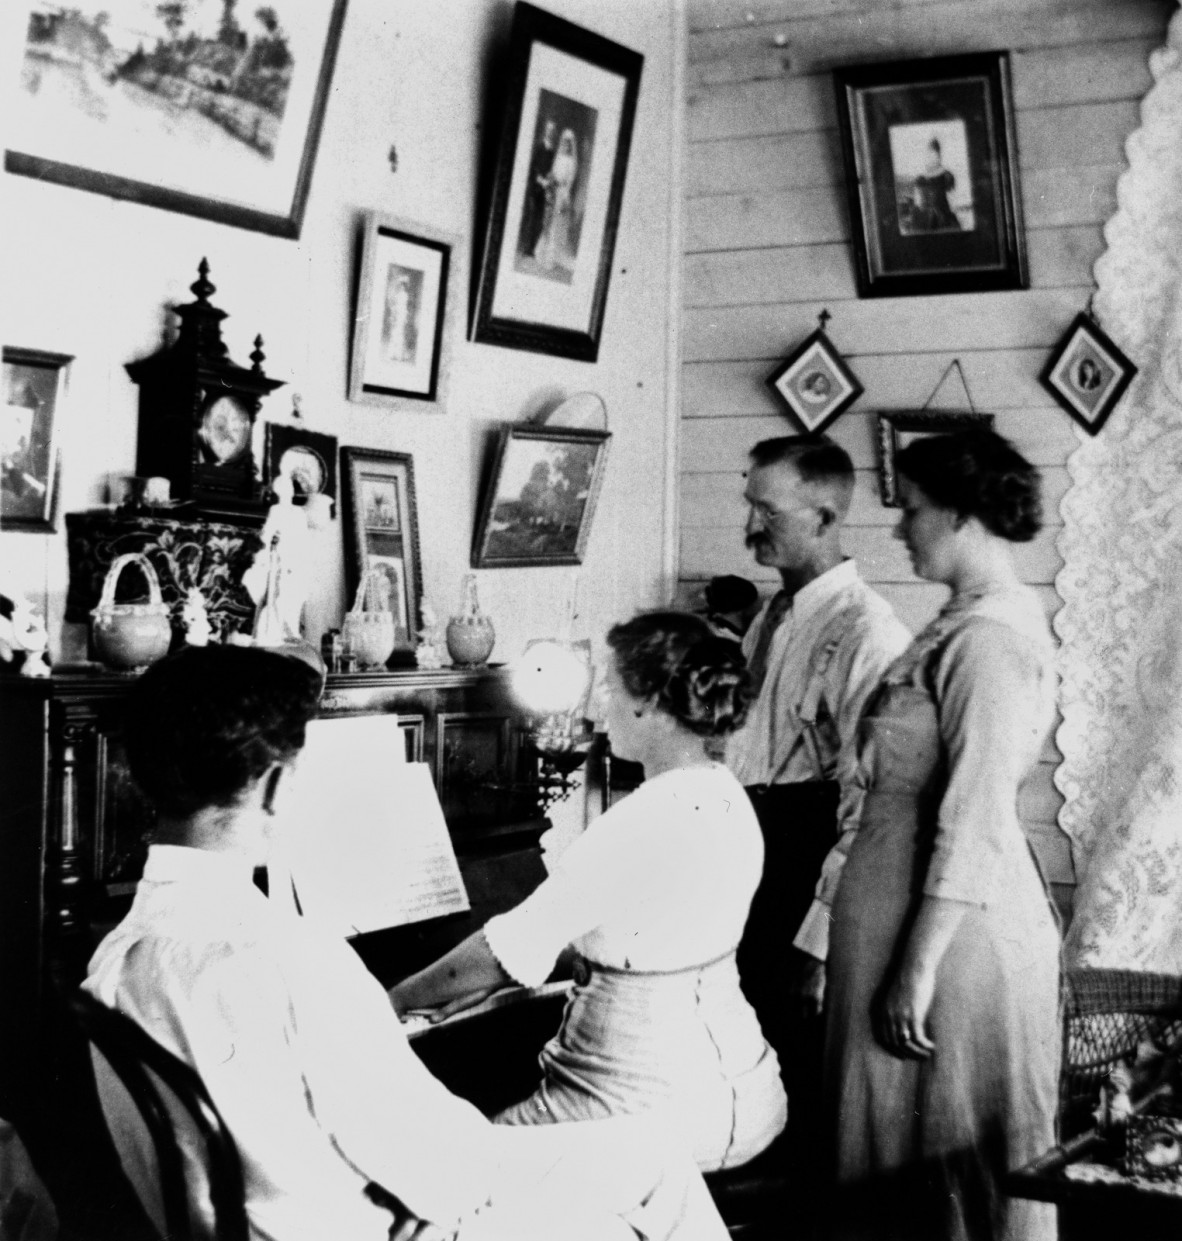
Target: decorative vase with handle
column 470, row 634
column 369, row 626
column 130, row 636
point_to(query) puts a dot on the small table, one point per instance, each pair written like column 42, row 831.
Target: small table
column 1096, row 1201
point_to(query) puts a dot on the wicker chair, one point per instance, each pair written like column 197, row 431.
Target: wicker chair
column 1107, row 1016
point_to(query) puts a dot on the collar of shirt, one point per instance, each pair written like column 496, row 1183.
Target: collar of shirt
column 820, row 590
column 176, row 863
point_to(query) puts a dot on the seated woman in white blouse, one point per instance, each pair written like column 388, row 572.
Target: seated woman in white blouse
column 653, row 897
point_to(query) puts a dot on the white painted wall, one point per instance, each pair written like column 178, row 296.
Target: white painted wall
column 84, row 275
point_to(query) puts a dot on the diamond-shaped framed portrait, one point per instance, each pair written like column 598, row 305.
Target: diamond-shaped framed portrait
column 1087, row 373
column 814, row 384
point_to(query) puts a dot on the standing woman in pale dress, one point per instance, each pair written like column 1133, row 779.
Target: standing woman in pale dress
column 556, row 247
column 943, row 1036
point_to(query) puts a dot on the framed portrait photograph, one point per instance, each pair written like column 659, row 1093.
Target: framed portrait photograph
column 1087, row 373
column 381, row 528
column 897, row 430
column 540, row 497
column 558, row 186
column 406, row 301
column 814, row 384
column 931, row 171
column 34, row 386
column 308, row 458
column 213, row 110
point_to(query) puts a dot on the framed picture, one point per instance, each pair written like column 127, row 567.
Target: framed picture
column 814, row 384
column 34, row 384
column 1087, row 374
column 559, row 181
column 381, row 528
column 406, row 301
column 541, row 497
column 932, row 175
column 196, row 108
column 896, row 431
column 307, row 457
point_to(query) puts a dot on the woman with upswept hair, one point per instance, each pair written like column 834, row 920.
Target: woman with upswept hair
column 942, row 1031
column 653, row 897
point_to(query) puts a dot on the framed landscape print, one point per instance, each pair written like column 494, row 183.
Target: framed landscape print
column 814, row 384
column 1087, row 373
column 559, row 183
column 541, row 497
column 406, row 301
column 209, row 109
column 931, row 172
column 896, row 431
column 33, row 385
column 381, row 525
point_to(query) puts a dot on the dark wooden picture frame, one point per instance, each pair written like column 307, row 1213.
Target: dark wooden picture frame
column 540, row 498
column 814, row 384
column 1087, row 373
column 33, row 390
column 558, row 187
column 309, row 457
column 381, row 530
column 931, row 168
column 262, row 85
column 407, row 296
column 895, row 430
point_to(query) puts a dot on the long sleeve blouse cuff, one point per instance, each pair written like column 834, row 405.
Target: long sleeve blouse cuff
column 813, row 936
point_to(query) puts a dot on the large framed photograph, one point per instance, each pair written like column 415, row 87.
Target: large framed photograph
column 34, row 385
column 1087, row 373
column 897, row 430
column 406, row 300
column 381, row 527
column 209, row 109
column 814, row 384
column 559, row 183
column 541, row 497
column 931, row 171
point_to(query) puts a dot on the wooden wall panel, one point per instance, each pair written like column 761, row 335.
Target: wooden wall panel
column 787, row 46
column 767, row 243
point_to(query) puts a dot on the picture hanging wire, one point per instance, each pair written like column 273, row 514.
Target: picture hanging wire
column 954, row 365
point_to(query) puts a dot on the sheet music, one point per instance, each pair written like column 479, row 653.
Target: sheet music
column 364, row 839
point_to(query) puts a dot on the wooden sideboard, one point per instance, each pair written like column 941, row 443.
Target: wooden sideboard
column 74, row 831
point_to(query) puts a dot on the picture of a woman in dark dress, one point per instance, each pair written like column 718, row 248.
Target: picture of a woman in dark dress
column 931, row 211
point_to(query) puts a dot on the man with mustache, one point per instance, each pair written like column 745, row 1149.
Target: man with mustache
column 817, row 648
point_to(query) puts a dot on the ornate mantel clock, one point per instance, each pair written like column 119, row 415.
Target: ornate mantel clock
column 197, row 412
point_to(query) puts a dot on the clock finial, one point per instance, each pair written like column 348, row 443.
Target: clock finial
column 201, row 286
column 257, row 357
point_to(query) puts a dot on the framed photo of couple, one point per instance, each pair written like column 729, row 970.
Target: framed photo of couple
column 558, row 187
column 931, row 172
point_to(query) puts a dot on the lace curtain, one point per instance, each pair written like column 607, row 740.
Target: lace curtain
column 1121, row 623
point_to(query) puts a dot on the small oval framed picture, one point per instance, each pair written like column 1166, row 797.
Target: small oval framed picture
column 1087, row 373
column 815, row 384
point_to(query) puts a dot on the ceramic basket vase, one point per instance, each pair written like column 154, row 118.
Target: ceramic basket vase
column 130, row 636
column 470, row 634
column 368, row 629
